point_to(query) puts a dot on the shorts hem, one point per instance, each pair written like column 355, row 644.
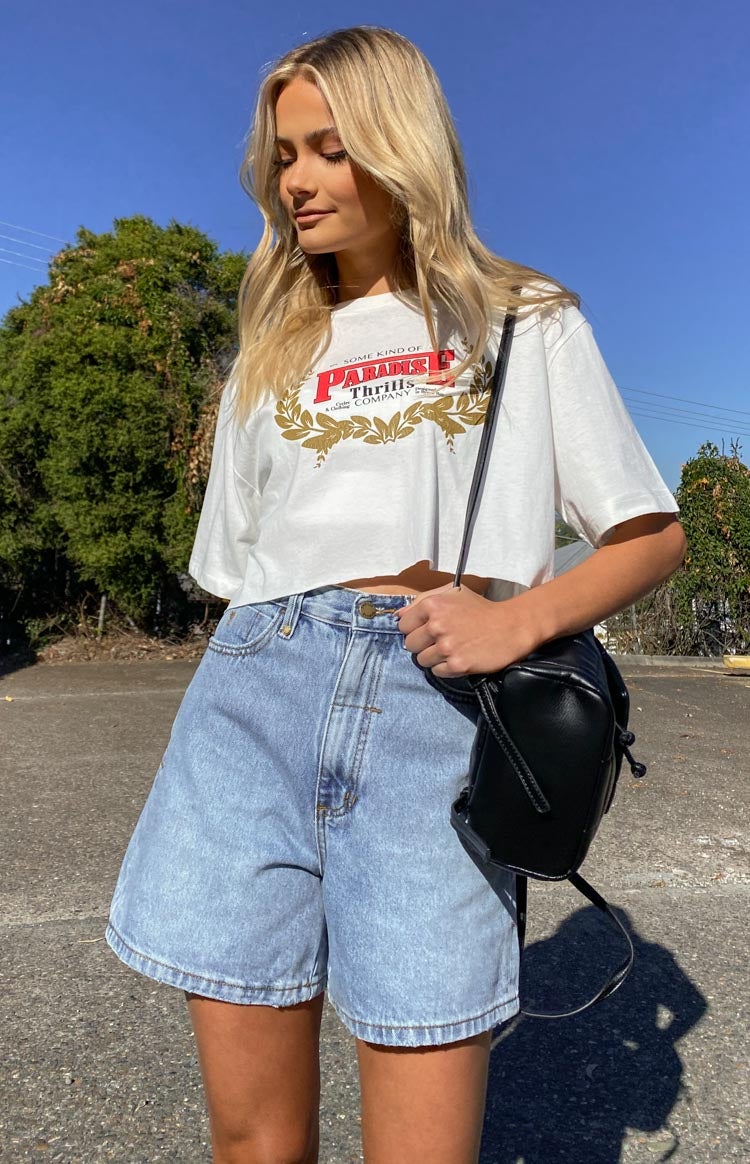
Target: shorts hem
column 211, row 987
column 428, row 1035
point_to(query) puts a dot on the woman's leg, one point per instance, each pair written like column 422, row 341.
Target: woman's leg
column 423, row 1103
column 261, row 1076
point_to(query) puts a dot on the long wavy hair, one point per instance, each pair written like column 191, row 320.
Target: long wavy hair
column 394, row 123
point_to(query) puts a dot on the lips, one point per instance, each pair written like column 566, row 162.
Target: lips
column 311, row 215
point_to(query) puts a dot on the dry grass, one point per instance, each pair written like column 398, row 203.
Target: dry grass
column 121, row 645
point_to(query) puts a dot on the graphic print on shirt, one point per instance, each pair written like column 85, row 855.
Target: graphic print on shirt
column 370, row 382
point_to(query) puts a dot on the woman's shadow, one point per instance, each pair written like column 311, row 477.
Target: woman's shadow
column 566, row 1092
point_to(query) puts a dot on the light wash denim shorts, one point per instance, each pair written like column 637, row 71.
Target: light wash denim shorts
column 297, row 835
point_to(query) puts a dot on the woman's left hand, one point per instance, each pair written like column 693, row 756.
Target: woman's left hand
column 455, row 631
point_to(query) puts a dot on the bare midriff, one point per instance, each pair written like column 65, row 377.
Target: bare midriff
column 413, row 580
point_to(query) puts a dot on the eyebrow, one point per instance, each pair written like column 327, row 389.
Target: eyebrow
column 315, row 135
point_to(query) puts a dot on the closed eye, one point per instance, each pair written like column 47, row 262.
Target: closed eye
column 334, row 159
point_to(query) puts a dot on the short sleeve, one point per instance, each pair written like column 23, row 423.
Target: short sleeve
column 228, row 519
column 604, row 474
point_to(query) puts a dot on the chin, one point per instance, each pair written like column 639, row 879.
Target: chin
column 312, row 249
column 319, row 248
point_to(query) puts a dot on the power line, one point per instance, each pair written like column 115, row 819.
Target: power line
column 20, row 254
column 28, row 230
column 23, row 243
column 693, row 424
column 709, row 422
column 719, row 407
column 685, row 413
column 676, row 413
column 11, row 263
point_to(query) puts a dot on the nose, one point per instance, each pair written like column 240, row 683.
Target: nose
column 298, row 178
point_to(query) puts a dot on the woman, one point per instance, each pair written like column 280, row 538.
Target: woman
column 297, row 836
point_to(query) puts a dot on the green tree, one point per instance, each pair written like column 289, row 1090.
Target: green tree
column 704, row 608
column 712, row 588
column 105, row 374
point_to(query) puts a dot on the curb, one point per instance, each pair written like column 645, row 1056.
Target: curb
column 706, row 663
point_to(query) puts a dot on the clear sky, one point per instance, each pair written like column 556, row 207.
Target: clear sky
column 606, row 143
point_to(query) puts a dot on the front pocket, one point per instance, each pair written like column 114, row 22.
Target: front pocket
column 245, row 630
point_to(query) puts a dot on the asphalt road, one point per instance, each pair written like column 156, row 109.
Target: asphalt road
column 98, row 1063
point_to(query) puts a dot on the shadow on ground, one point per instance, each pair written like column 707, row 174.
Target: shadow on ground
column 569, row 1090
column 12, row 661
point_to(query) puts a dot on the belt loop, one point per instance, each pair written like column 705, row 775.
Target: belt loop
column 292, row 611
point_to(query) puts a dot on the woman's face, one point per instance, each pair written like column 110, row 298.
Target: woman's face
column 315, row 174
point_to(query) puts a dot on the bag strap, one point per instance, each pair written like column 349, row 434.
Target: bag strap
column 488, row 429
column 615, row 981
column 494, row 721
column 512, row 754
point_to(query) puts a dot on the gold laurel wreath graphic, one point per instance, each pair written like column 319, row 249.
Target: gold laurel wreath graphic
column 322, row 433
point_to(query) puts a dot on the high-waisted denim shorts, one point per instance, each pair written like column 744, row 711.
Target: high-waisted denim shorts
column 297, row 836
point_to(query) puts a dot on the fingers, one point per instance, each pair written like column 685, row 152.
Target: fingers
column 419, row 639
column 420, row 611
column 428, row 650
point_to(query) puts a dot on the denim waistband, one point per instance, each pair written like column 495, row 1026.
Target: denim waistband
column 345, row 607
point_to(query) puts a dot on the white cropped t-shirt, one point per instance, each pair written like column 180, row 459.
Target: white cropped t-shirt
column 362, row 470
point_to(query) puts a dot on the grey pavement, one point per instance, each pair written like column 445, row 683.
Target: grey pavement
column 98, row 1063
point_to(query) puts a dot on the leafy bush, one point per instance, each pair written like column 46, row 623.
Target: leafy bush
column 704, row 608
column 105, row 374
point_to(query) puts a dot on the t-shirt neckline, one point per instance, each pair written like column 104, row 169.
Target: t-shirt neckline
column 367, row 302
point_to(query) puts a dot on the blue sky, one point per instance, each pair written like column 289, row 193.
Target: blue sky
column 607, row 145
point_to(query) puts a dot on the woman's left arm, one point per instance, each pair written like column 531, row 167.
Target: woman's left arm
column 454, row 631
column 638, row 556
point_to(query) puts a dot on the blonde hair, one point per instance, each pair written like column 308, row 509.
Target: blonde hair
column 394, row 123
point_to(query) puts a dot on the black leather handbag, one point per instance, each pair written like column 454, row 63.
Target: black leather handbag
column 551, row 737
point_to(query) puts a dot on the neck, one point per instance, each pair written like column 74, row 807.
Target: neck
column 367, row 272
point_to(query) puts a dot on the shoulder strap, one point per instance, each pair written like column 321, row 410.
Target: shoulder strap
column 493, row 406
column 480, row 469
